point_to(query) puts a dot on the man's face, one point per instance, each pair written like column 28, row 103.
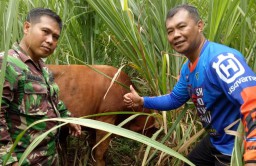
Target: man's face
column 41, row 37
column 183, row 32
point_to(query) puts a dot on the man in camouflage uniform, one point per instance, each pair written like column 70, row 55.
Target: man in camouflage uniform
column 29, row 93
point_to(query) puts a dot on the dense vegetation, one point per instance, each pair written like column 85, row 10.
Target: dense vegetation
column 132, row 33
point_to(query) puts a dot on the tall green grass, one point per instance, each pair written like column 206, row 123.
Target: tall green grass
column 140, row 35
column 8, row 30
column 96, row 125
column 133, row 32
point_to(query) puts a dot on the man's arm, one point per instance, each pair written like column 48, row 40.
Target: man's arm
column 238, row 82
column 74, row 129
column 248, row 109
column 175, row 99
column 5, row 137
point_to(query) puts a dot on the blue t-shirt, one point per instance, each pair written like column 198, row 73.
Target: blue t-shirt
column 221, row 87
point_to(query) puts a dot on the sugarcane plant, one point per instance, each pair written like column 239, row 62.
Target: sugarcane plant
column 132, row 33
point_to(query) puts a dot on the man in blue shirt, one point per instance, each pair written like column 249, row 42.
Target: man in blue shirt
column 219, row 82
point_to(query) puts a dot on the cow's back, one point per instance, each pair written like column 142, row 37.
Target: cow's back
column 82, row 89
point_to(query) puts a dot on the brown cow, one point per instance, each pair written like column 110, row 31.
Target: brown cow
column 82, row 90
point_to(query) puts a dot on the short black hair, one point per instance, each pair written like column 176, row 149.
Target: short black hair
column 36, row 13
column 191, row 9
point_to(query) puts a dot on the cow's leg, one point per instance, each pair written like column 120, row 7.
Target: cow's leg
column 101, row 149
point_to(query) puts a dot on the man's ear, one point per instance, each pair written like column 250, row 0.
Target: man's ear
column 200, row 25
column 26, row 27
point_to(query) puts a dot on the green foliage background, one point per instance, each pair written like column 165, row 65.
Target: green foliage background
column 132, row 32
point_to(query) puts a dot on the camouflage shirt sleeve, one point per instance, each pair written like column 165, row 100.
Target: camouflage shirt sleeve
column 5, row 138
column 63, row 110
column 60, row 106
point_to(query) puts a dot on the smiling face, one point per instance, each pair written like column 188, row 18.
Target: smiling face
column 40, row 38
column 184, row 33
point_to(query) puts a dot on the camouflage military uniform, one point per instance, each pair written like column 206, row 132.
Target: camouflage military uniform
column 29, row 94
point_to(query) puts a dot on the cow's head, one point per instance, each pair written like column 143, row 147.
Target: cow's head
column 144, row 124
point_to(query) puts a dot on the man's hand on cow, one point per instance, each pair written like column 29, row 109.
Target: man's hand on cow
column 132, row 99
column 74, row 129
